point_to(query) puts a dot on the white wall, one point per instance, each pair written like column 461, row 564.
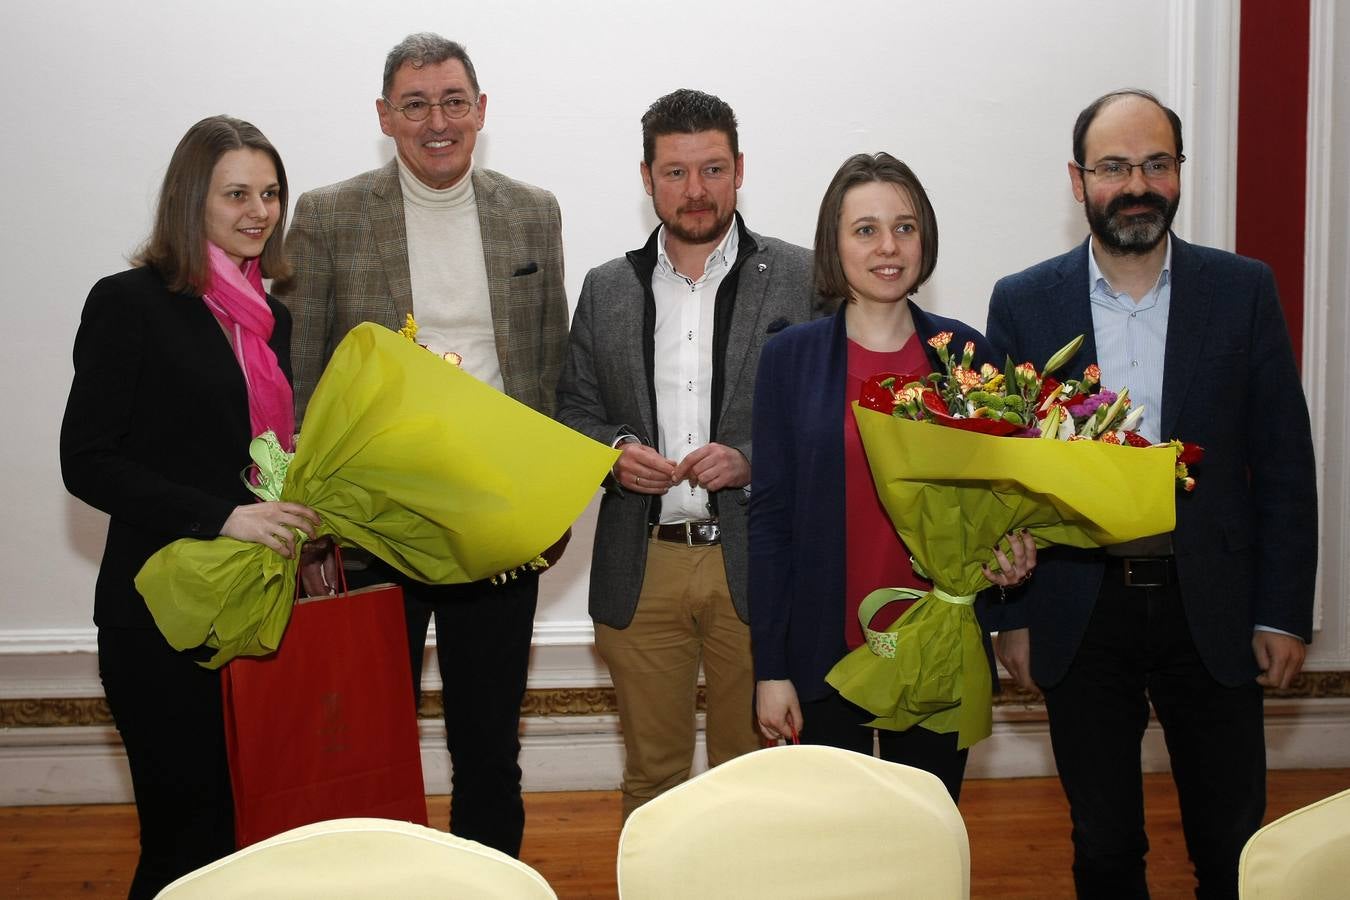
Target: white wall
column 978, row 96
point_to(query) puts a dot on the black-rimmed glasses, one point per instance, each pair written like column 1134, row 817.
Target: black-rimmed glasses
column 1156, row 169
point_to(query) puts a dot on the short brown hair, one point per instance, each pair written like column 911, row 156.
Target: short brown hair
column 1089, row 115
column 687, row 111
column 176, row 247
column 863, row 169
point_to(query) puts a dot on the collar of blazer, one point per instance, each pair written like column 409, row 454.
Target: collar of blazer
column 389, row 230
column 1188, row 318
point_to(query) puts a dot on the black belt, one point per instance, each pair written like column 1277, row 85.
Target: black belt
column 689, row 533
column 1144, row 571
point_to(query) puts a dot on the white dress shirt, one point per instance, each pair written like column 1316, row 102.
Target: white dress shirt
column 683, row 365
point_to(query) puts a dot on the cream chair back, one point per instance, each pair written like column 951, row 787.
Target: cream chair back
column 1302, row 856
column 798, row 822
column 345, row 859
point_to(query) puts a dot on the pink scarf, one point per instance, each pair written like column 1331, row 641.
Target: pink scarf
column 239, row 304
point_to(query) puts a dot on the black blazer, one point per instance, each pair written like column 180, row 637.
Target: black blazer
column 156, row 430
column 1246, row 539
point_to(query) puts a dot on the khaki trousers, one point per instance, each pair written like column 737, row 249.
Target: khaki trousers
column 684, row 617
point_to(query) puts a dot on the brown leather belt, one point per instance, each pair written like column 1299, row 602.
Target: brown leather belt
column 1144, row 571
column 689, row 533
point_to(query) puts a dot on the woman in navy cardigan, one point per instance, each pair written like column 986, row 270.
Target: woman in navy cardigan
column 820, row 540
column 179, row 363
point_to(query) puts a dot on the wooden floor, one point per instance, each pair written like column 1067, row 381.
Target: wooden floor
column 1018, row 828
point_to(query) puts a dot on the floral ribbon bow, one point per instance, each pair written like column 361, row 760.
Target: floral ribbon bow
column 882, row 643
column 267, row 476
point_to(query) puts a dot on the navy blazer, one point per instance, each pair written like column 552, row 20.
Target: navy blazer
column 1246, row 538
column 156, row 430
column 797, row 521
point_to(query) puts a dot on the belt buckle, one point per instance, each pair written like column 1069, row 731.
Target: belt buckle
column 1152, row 572
column 712, row 530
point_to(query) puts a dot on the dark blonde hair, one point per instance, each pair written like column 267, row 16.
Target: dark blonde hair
column 864, row 168
column 176, row 248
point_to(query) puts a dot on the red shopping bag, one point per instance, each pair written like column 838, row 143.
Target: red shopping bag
column 325, row 728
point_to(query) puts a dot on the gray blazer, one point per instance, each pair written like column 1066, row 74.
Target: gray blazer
column 606, row 389
column 349, row 246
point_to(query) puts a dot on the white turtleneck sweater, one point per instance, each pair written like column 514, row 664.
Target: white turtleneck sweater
column 449, row 278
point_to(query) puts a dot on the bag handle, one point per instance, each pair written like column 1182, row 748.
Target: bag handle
column 340, row 589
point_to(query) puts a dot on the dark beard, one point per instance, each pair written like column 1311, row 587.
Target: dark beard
column 1136, row 234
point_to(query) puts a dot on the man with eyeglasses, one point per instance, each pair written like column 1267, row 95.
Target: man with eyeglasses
column 1197, row 621
column 477, row 258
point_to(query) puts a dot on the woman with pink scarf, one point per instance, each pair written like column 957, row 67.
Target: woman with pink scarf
column 179, row 363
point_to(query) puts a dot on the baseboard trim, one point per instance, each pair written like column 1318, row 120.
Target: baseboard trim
column 86, row 764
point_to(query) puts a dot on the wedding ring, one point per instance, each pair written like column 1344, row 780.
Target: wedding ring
column 637, row 482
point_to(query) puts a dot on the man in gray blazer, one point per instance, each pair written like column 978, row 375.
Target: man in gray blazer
column 661, row 363
column 477, row 258
column 1193, row 623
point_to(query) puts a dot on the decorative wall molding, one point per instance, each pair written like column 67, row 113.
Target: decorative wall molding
column 41, row 663
column 59, row 765
column 63, row 663
column 1203, row 70
column 566, row 703
column 1203, row 89
column 1326, row 326
column 58, row 745
column 1316, row 242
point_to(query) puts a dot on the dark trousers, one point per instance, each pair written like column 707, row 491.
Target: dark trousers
column 168, row 711
column 834, row 722
column 483, row 634
column 1137, row 650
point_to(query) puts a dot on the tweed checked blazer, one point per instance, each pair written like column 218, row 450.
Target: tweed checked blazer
column 606, row 389
column 348, row 244
column 1246, row 538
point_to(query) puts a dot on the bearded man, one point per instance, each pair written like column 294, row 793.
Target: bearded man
column 661, row 363
column 1195, row 622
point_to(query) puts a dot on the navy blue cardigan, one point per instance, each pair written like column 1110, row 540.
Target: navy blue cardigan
column 797, row 527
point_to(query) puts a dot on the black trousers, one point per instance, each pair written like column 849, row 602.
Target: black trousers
column 1138, row 650
column 483, row 634
column 835, row 722
column 168, row 711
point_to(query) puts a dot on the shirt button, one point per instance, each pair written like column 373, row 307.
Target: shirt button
column 1134, row 364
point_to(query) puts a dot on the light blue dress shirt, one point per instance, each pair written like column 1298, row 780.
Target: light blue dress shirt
column 1132, row 340
column 1132, row 345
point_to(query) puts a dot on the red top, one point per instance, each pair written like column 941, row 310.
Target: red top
column 875, row 557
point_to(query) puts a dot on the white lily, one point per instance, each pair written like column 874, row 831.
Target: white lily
column 1131, row 422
